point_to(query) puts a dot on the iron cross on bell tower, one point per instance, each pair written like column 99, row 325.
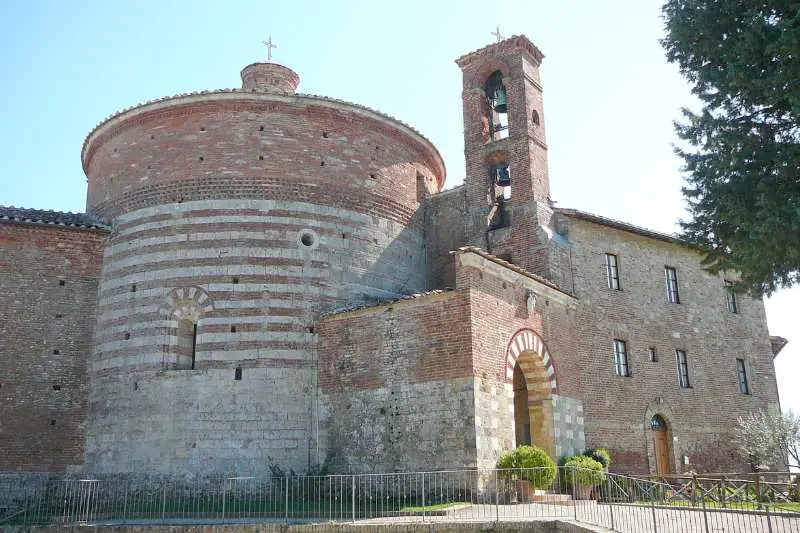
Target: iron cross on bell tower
column 270, row 46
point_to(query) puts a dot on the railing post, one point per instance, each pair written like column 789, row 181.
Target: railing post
column 164, row 501
column 224, row 487
column 703, row 502
column 610, row 501
column 496, row 497
column 286, row 501
column 423, row 496
column 653, row 509
column 353, row 498
column 125, row 505
column 723, row 492
column 758, row 491
column 574, row 496
column 769, row 520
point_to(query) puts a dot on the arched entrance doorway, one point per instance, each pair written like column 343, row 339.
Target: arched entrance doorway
column 661, row 444
column 532, row 378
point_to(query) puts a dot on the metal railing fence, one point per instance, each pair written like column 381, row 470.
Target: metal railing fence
column 682, row 504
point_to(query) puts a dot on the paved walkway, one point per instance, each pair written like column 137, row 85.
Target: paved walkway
column 626, row 518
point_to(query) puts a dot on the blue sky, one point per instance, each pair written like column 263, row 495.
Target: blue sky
column 610, row 95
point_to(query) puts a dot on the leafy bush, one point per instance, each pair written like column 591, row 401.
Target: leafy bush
column 794, row 489
column 528, row 463
column 601, row 455
column 583, row 471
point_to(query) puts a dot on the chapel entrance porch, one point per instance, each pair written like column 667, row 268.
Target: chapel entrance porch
column 541, row 416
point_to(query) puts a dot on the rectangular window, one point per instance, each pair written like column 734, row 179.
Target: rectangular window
column 730, row 295
column 671, row 277
column 744, row 386
column 683, row 369
column 621, row 358
column 653, row 355
column 612, row 272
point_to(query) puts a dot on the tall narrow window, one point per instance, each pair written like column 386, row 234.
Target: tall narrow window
column 671, row 277
column 744, row 386
column 652, row 354
column 186, row 345
column 621, row 358
column 194, row 344
column 683, row 369
column 612, row 272
column 730, row 295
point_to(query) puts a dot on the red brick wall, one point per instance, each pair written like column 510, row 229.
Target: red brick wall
column 397, row 384
column 617, row 409
column 42, row 429
column 256, row 146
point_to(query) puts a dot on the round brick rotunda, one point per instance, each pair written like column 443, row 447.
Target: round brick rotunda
column 238, row 217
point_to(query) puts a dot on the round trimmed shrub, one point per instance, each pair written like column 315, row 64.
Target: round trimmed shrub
column 584, row 472
column 601, row 455
column 529, row 463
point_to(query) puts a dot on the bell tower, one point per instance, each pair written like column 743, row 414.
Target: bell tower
column 507, row 187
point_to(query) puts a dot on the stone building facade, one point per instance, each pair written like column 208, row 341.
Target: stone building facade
column 265, row 277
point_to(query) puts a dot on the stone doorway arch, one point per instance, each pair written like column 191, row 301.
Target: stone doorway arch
column 661, row 444
column 532, row 383
column 660, row 440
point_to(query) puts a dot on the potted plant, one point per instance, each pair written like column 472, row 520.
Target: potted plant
column 527, row 467
column 601, row 455
column 581, row 475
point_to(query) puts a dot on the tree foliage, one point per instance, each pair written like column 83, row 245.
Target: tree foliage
column 770, row 438
column 742, row 150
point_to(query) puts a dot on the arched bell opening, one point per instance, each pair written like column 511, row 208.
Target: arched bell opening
column 499, row 190
column 497, row 98
column 661, row 444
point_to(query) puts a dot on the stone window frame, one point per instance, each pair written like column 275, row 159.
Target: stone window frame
column 741, row 373
column 682, row 361
column 622, row 366
column 730, row 297
column 612, row 272
column 652, row 354
column 671, row 280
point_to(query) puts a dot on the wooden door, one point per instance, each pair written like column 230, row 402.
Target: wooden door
column 661, row 440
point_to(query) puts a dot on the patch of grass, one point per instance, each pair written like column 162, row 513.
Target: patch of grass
column 434, row 507
column 737, row 506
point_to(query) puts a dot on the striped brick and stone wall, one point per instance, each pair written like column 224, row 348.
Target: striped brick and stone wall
column 49, row 275
column 241, row 216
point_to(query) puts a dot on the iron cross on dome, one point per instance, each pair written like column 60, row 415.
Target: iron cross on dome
column 496, row 33
column 270, row 46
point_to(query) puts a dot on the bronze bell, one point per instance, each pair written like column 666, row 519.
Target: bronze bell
column 499, row 99
column 502, row 177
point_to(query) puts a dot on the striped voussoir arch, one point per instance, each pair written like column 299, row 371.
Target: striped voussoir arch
column 529, row 350
column 187, row 303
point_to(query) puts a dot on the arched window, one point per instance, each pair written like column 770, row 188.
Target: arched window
column 535, row 119
column 497, row 98
column 186, row 344
column 657, row 423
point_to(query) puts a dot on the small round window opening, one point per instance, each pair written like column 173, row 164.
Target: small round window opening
column 308, row 239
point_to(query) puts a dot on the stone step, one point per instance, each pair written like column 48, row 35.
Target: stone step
column 549, row 498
